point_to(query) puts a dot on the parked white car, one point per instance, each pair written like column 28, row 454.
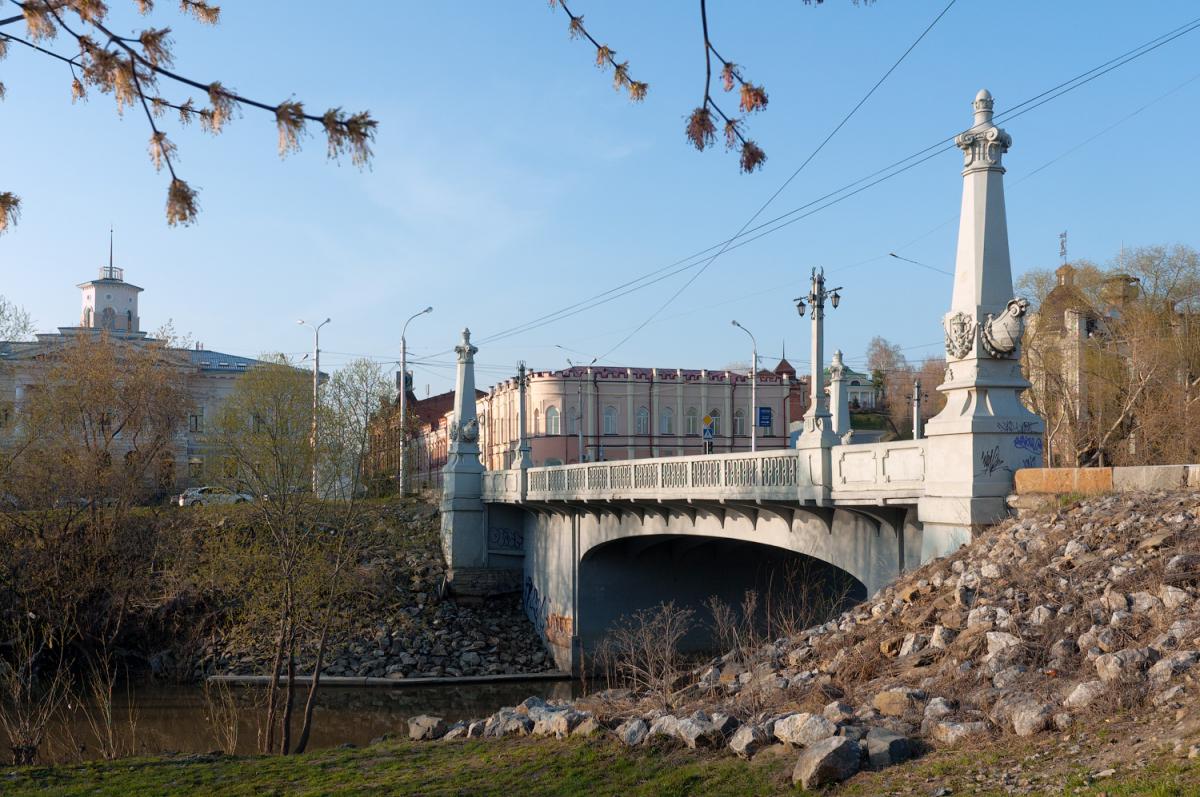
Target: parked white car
column 203, row 496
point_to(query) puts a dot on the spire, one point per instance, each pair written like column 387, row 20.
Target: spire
column 110, row 246
column 982, row 272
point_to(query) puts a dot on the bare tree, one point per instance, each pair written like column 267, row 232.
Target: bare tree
column 296, row 577
column 701, row 128
column 133, row 68
column 15, row 322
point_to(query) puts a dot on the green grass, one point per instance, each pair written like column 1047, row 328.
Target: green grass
column 535, row 767
column 518, row 767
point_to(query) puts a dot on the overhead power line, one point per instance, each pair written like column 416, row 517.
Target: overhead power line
column 750, row 234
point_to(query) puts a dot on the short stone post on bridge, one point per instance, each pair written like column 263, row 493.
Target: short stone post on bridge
column 839, row 399
column 984, row 433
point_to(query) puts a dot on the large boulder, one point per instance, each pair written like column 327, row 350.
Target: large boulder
column 1172, row 665
column 898, row 701
column 1084, row 694
column 828, row 761
column 697, row 732
column 424, row 727
column 885, row 748
column 633, row 732
column 1125, row 664
column 804, row 729
column 748, row 740
column 948, row 732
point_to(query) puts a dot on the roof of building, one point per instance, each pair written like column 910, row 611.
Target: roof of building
column 207, row 360
column 1063, row 297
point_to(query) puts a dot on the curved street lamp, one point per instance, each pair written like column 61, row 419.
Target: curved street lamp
column 403, row 485
column 316, row 328
column 753, row 387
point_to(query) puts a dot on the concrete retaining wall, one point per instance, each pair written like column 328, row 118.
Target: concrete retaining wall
column 1090, row 481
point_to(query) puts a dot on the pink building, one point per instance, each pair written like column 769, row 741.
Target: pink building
column 607, row 413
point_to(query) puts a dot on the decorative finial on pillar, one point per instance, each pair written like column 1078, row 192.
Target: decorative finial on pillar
column 983, row 107
column 466, row 352
column 984, row 143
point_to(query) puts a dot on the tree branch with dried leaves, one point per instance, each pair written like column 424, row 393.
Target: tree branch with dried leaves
column 130, row 69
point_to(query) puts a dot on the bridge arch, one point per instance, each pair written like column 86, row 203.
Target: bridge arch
column 627, row 574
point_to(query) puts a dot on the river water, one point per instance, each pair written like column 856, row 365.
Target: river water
column 179, row 719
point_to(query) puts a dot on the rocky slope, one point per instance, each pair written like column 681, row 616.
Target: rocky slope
column 407, row 628
column 1044, row 625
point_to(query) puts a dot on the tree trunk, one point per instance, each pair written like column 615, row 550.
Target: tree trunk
column 309, row 703
column 285, row 740
column 268, row 743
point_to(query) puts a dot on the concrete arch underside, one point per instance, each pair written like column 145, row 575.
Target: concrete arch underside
column 587, row 565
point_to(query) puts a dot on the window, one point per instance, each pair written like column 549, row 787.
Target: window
column 534, row 430
column 129, row 320
column 195, row 468
column 196, row 420
column 4, row 417
column 643, row 421
column 666, row 421
column 691, row 422
column 573, row 421
column 739, row 423
column 610, row 420
column 552, row 425
column 716, row 419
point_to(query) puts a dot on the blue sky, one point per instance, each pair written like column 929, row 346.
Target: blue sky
column 510, row 179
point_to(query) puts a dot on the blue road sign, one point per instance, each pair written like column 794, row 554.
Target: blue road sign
column 708, row 433
column 764, row 417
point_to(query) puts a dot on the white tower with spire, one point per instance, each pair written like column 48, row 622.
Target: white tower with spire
column 110, row 303
column 984, row 433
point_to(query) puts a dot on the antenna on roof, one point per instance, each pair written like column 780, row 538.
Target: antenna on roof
column 110, row 246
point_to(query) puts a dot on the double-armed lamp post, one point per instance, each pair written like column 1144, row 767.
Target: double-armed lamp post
column 818, row 293
column 753, row 387
column 403, row 481
column 579, row 400
column 316, row 328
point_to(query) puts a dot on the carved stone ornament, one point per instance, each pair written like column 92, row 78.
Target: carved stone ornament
column 1002, row 334
column 960, row 334
column 983, row 147
column 468, row 432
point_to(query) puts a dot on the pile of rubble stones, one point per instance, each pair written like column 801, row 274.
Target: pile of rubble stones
column 1036, row 624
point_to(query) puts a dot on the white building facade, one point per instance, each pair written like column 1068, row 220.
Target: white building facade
column 109, row 305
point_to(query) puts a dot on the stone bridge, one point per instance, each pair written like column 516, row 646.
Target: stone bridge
column 588, row 543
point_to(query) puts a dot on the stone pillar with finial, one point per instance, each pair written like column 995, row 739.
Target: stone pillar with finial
column 464, row 533
column 984, row 433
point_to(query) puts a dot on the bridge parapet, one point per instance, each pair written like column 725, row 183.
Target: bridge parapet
column 872, row 473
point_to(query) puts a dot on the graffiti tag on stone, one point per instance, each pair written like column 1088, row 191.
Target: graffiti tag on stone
column 502, row 539
column 1030, row 443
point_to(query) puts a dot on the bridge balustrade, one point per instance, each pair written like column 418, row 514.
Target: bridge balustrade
column 872, row 472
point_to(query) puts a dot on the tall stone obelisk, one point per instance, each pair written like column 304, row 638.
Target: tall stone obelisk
column 464, row 534
column 984, row 433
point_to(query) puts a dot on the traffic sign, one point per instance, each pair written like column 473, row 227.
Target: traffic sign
column 708, row 421
column 708, row 433
column 764, row 417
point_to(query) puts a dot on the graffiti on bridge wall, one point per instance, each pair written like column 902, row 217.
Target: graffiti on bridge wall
column 556, row 629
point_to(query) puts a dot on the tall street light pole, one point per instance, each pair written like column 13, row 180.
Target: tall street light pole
column 818, row 420
column 753, row 387
column 404, row 398
column 316, row 328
